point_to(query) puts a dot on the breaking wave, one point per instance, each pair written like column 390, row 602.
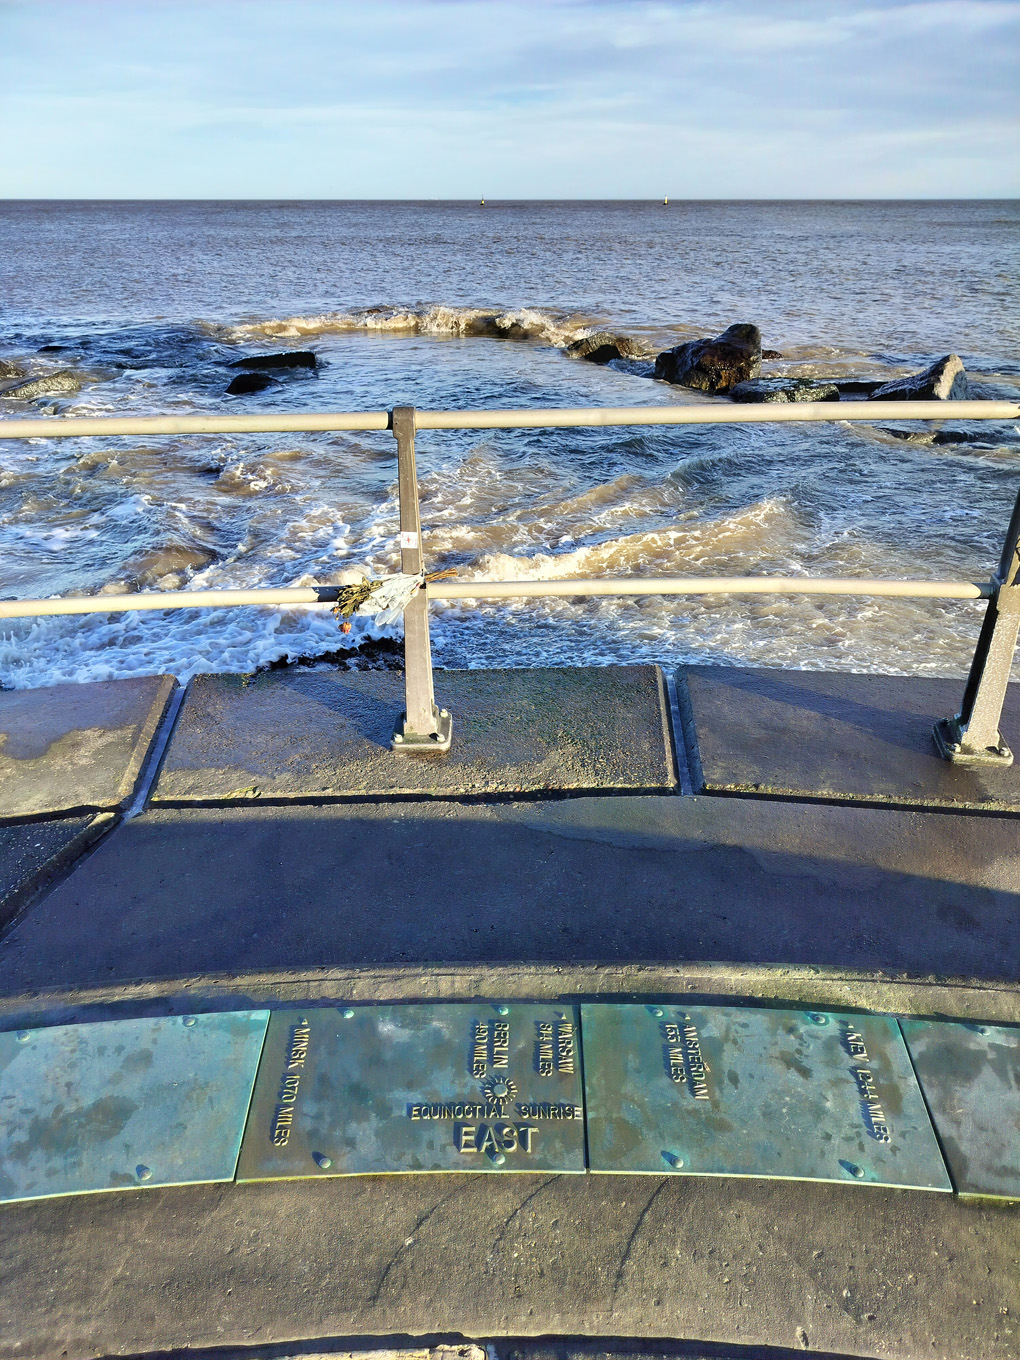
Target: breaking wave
column 528, row 324
column 718, row 544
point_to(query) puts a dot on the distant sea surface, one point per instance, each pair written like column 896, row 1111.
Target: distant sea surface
column 454, row 305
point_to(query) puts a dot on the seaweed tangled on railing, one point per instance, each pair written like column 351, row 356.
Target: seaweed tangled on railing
column 386, row 597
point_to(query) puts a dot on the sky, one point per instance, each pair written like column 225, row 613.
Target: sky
column 410, row 99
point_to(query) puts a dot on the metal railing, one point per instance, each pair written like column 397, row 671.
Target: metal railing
column 971, row 737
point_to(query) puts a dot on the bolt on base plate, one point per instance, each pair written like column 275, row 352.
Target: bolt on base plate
column 947, row 738
column 430, row 743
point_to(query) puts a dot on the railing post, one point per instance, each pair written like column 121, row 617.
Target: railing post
column 973, row 736
column 422, row 727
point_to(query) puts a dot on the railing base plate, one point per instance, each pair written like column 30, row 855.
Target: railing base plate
column 415, row 743
column 947, row 739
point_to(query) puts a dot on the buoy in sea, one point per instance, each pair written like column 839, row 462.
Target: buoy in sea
column 665, row 202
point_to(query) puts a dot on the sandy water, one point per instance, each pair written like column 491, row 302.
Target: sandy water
column 152, row 302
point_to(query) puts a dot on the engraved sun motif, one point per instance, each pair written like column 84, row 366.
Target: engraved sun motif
column 499, row 1089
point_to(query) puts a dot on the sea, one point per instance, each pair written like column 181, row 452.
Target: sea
column 447, row 305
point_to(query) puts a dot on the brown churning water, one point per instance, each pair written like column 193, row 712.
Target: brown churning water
column 436, row 305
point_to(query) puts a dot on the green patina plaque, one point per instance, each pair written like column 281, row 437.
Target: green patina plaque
column 125, row 1103
column 970, row 1076
column 483, row 1087
column 722, row 1091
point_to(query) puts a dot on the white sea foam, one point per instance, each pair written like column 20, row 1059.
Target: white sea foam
column 523, row 323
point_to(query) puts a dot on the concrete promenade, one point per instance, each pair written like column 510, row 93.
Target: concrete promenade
column 720, row 835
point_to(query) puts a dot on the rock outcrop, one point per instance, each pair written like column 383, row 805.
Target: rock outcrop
column 10, row 368
column 713, row 365
column 250, row 382
column 855, row 387
column 48, row 384
column 945, row 380
column 603, row 346
column 293, row 358
column 940, row 437
column 784, row 389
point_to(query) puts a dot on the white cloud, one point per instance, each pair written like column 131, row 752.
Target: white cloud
column 399, row 98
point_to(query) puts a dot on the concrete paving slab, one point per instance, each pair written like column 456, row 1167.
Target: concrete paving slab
column 970, row 1075
column 32, row 854
column 68, row 748
column 306, row 734
column 614, row 881
column 825, row 1268
column 834, row 735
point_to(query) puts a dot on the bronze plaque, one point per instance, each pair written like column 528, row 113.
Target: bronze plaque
column 727, row 1091
column 125, row 1104
column 483, row 1087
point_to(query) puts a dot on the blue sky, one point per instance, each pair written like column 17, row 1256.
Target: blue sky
column 544, row 99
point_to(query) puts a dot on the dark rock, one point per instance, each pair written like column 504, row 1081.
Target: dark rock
column 855, row 387
column 51, row 349
column 250, row 382
column 982, row 440
column 771, row 354
column 945, row 380
column 784, row 389
column 603, row 346
column 10, row 368
column 62, row 381
column 924, row 437
column 294, row 358
column 713, row 365
column 986, row 440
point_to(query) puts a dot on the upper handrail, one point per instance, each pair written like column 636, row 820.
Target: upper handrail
column 551, row 417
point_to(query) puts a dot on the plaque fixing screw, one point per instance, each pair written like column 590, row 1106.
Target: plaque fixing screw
column 853, row 1168
column 143, row 1172
column 817, row 1019
column 671, row 1159
column 656, row 1011
column 322, row 1161
column 190, row 1020
column 23, row 1036
column 347, row 1013
column 502, row 1010
column 498, row 1158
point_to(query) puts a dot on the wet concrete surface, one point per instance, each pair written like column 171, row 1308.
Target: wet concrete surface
column 75, row 747
column 32, row 854
column 915, row 911
column 322, row 734
column 610, row 880
column 836, row 736
column 847, row 1270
